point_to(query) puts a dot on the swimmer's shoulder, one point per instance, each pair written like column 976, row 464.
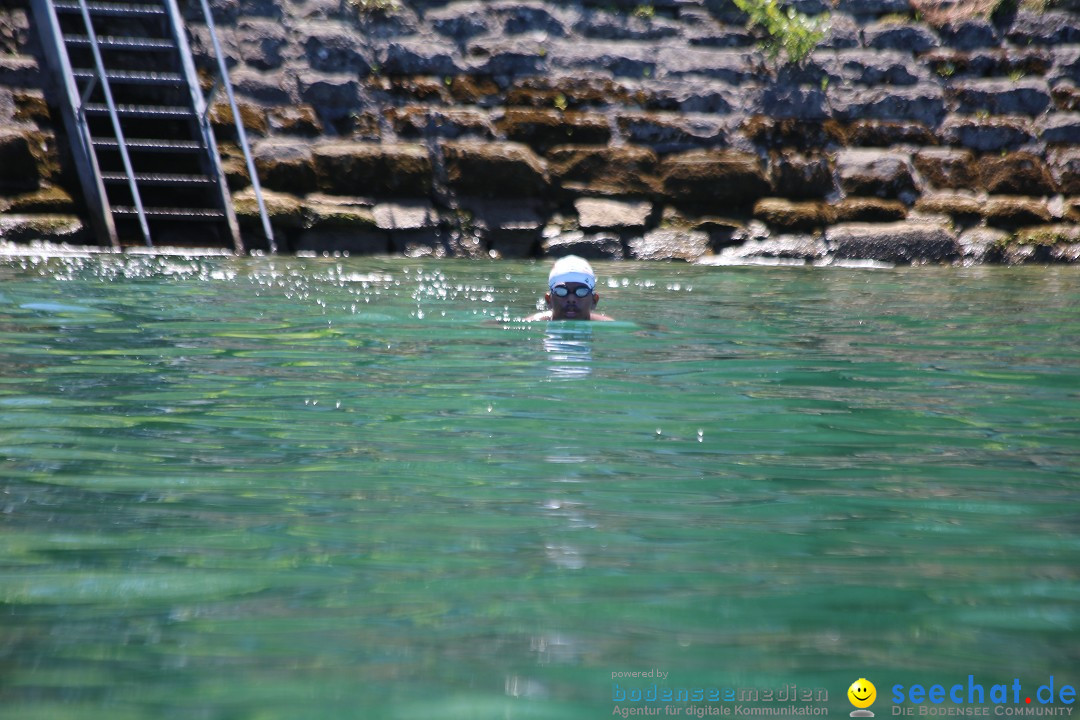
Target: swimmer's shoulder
column 546, row 315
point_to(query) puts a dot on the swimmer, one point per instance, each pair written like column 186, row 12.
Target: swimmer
column 571, row 292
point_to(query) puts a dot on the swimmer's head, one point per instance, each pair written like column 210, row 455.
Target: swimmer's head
column 571, row 269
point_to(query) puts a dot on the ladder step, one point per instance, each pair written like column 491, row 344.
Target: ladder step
column 170, row 213
column 122, row 43
column 112, row 9
column 150, row 145
column 143, row 111
column 158, row 179
column 132, row 76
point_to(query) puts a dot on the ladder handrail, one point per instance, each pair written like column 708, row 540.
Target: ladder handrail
column 178, row 29
column 99, row 66
column 241, row 134
column 86, row 164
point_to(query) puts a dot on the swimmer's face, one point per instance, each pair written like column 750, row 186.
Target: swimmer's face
column 570, row 306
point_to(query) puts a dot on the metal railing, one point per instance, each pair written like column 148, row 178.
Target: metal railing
column 114, row 117
column 241, row 134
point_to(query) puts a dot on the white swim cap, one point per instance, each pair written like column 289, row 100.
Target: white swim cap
column 572, row 269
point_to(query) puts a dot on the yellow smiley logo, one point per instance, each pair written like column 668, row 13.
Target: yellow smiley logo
column 862, row 693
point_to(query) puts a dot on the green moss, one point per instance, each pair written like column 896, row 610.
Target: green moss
column 1045, row 235
column 787, row 31
column 375, row 7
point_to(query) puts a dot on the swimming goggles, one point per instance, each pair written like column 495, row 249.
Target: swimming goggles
column 562, row 291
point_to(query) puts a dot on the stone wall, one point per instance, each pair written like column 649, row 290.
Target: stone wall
column 917, row 131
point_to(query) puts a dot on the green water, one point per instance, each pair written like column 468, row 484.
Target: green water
column 259, row 489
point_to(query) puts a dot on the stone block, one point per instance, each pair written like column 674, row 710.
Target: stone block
column 789, row 100
column 43, row 228
column 276, row 87
column 1002, row 97
column 947, row 167
column 543, row 129
column 868, row 210
column 1066, row 65
column 419, row 121
column 605, row 170
column 1044, row 28
column 337, row 212
column 47, row 200
column 729, row 66
column 298, row 120
column 786, row 215
column 713, row 177
column 507, row 56
column 799, row 248
column 334, row 48
column 370, row 169
column 612, row 214
column 987, row 134
column 620, row 59
column 969, row 34
column 688, row 245
column 528, row 16
column 671, row 132
column 420, row 56
column 405, row 215
column 702, row 30
column 510, row 215
column 876, row 172
column 908, row 37
column 509, row 228
column 262, row 43
column 405, row 89
column 19, row 152
column 1064, row 164
column 977, row 244
column 286, row 212
column 252, row 116
column 804, row 135
column 599, row 246
column 461, row 20
column 285, row 165
column 887, row 133
column 334, row 94
column 494, row 169
column 962, row 205
column 1060, row 128
column 901, row 242
column 843, row 33
column 1018, row 173
column 923, row 103
column 1053, row 234
column 1015, row 212
column 613, row 26
column 31, row 107
column 476, row 90
column 691, row 95
column 1066, row 97
column 19, row 71
column 801, row 177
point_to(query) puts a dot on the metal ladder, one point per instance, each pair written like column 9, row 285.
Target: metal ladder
column 139, row 124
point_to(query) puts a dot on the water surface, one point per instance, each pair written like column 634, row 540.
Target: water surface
column 332, row 488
